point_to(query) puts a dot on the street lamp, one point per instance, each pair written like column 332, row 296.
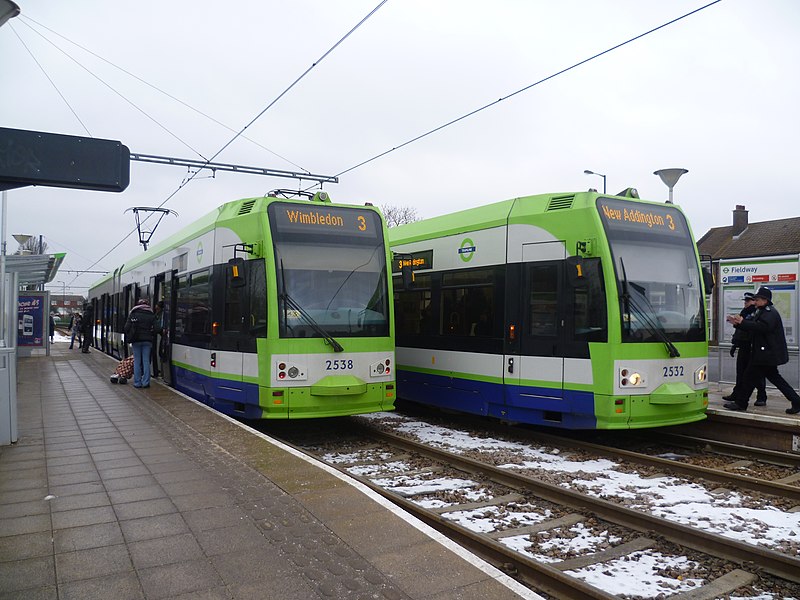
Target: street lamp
column 22, row 239
column 8, row 10
column 588, row 172
column 670, row 178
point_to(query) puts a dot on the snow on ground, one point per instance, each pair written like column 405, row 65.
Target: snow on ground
column 666, row 497
column 727, row 513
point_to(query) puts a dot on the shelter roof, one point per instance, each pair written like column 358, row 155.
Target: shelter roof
column 34, row 268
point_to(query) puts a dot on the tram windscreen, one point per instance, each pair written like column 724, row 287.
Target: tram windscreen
column 658, row 277
column 331, row 271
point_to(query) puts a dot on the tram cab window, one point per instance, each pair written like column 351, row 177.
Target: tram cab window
column 257, row 285
column 589, row 304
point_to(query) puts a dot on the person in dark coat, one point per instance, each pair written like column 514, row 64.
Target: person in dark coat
column 769, row 351
column 743, row 341
column 52, row 328
column 87, row 327
column 139, row 334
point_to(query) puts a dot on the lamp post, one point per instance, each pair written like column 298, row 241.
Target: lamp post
column 8, row 10
column 63, row 296
column 670, row 178
column 22, row 239
column 588, row 172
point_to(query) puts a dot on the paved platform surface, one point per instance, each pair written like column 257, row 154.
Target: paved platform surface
column 117, row 493
column 775, row 408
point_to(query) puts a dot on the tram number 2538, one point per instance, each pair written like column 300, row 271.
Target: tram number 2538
column 339, row 365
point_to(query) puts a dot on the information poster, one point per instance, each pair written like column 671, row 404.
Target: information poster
column 780, row 275
column 33, row 321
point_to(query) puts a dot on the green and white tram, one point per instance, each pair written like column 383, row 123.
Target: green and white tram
column 274, row 308
column 574, row 310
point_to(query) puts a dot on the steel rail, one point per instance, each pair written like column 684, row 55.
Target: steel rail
column 724, row 477
column 772, row 562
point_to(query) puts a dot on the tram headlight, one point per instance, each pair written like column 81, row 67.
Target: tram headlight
column 293, row 372
column 630, row 378
column 381, row 368
column 701, row 375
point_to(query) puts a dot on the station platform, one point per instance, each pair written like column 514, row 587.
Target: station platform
column 775, row 408
column 117, row 492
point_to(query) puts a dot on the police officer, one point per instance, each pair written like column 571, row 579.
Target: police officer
column 743, row 341
column 769, row 351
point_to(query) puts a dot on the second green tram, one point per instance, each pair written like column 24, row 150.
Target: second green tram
column 571, row 310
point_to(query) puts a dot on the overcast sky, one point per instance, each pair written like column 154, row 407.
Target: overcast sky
column 716, row 93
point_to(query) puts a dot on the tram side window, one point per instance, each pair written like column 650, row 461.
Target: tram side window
column 468, row 303
column 193, row 314
column 589, row 305
column 413, row 308
column 543, row 300
column 257, row 282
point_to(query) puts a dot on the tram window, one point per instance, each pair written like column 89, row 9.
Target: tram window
column 543, row 300
column 257, row 282
column 589, row 305
column 413, row 307
column 193, row 315
column 234, row 317
column 467, row 303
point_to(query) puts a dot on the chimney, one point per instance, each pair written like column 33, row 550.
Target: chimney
column 739, row 220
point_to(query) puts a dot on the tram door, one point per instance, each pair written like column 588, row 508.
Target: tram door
column 168, row 293
column 534, row 366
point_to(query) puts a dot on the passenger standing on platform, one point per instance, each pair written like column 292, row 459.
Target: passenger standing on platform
column 139, row 334
column 743, row 341
column 769, row 351
column 87, row 327
column 52, row 328
column 75, row 329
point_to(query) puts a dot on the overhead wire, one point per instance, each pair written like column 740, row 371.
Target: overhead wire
column 251, row 122
column 165, row 93
column 519, row 91
column 109, row 86
column 50, row 79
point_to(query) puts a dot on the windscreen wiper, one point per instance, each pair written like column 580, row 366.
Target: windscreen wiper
column 289, row 301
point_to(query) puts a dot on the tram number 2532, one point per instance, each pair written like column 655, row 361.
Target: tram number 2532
column 675, row 371
column 339, row 365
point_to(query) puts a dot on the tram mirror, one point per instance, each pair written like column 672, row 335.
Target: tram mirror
column 236, row 278
column 576, row 271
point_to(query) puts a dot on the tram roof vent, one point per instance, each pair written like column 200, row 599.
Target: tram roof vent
column 560, row 202
column 246, row 207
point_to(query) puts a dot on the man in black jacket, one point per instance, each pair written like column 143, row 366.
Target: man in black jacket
column 769, row 351
column 139, row 334
column 743, row 341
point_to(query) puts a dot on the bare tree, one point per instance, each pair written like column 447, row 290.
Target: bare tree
column 399, row 215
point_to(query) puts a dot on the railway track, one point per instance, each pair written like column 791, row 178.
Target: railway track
column 383, row 465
